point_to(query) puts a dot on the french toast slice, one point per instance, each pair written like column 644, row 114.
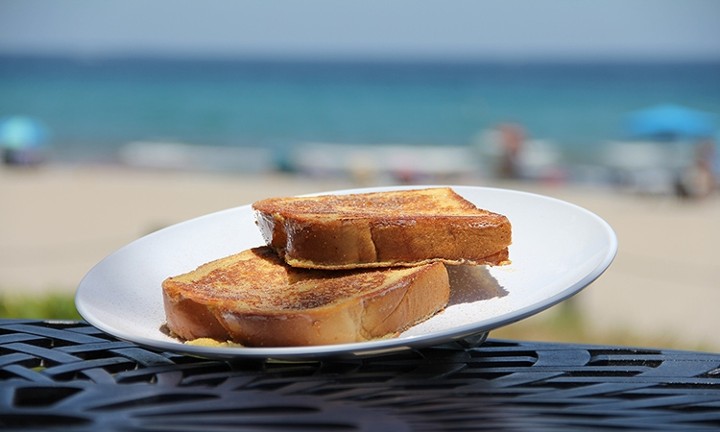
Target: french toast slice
column 382, row 229
column 253, row 298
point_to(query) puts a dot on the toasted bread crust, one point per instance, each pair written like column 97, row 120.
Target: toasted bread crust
column 400, row 228
column 255, row 299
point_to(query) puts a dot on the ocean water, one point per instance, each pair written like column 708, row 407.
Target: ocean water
column 93, row 107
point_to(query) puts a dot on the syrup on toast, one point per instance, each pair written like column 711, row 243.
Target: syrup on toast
column 255, row 299
column 382, row 229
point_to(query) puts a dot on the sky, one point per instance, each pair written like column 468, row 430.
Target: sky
column 497, row 29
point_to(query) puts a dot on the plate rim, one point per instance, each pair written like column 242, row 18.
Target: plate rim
column 366, row 348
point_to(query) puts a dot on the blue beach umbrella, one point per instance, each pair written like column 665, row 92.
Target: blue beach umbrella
column 21, row 133
column 670, row 122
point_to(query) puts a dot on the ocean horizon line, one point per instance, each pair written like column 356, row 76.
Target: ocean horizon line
column 461, row 61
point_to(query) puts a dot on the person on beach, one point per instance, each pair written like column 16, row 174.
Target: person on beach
column 698, row 180
column 512, row 137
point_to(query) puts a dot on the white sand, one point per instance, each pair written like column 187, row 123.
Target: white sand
column 57, row 222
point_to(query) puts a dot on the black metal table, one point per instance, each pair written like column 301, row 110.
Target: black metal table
column 70, row 376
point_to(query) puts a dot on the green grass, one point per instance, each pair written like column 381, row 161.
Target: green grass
column 563, row 323
column 48, row 306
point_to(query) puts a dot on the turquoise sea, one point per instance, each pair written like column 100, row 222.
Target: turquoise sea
column 92, row 107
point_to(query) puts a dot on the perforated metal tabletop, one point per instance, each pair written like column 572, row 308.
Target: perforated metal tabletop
column 70, row 376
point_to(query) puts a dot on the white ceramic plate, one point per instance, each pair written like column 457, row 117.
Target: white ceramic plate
column 558, row 249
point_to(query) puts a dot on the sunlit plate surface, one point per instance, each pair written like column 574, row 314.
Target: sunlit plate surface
column 558, row 249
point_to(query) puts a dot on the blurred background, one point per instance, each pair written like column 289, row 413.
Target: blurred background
column 118, row 118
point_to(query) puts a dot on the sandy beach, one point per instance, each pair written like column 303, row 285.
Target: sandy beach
column 57, row 222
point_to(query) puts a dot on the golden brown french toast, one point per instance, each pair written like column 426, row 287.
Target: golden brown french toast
column 381, row 229
column 255, row 299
